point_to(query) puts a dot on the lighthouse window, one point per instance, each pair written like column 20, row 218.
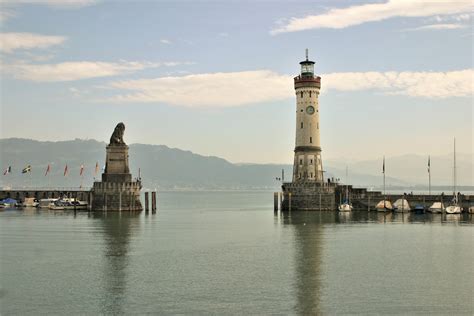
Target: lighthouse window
column 301, row 161
column 301, row 93
column 311, row 162
column 311, row 140
column 301, row 124
column 318, row 126
column 311, row 174
column 310, row 94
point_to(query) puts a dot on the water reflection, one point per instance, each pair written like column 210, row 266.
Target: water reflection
column 117, row 231
column 309, row 240
column 308, row 228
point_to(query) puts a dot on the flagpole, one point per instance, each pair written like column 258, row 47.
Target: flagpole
column 429, row 174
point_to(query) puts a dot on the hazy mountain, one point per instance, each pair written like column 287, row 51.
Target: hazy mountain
column 169, row 168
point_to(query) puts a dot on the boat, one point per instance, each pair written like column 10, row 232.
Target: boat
column 401, row 205
column 454, row 207
column 384, row 206
column 68, row 204
column 419, row 209
column 437, row 207
column 30, row 202
column 346, row 206
column 8, row 202
column 44, row 203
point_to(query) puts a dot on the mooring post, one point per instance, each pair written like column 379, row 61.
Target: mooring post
column 90, row 201
column 280, row 200
column 275, row 201
column 153, row 202
column 289, row 201
column 368, row 203
column 320, row 201
column 146, row 202
column 120, row 200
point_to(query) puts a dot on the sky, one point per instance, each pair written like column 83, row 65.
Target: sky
column 215, row 77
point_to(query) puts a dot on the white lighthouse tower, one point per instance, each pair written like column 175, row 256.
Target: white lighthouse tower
column 308, row 164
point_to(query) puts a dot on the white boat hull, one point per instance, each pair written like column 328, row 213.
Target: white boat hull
column 345, row 207
column 453, row 209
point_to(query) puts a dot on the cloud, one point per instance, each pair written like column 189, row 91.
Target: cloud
column 66, row 4
column 5, row 14
column 358, row 14
column 165, row 41
column 443, row 26
column 251, row 87
column 414, row 84
column 209, row 89
column 76, row 70
column 13, row 41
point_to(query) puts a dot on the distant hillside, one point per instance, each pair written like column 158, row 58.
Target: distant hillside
column 169, row 168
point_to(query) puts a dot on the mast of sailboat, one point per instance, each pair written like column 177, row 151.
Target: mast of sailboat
column 347, row 188
column 454, row 173
column 383, row 171
column 429, row 175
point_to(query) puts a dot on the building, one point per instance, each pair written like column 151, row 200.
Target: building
column 308, row 190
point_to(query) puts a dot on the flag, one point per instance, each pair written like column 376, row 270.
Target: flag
column 82, row 170
column 47, row 170
column 65, row 171
column 26, row 169
column 96, row 168
column 383, row 166
column 7, row 170
column 103, row 168
column 429, row 164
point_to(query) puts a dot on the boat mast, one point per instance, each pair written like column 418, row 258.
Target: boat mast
column 347, row 188
column 429, row 175
column 384, row 177
column 454, row 172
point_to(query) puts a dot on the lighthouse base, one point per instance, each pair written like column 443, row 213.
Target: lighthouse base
column 308, row 196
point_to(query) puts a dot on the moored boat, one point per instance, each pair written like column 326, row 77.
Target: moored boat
column 401, row 205
column 384, row 206
column 437, row 207
column 44, row 203
column 454, row 207
column 346, row 206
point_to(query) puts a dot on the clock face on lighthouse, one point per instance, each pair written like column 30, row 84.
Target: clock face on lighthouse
column 310, row 110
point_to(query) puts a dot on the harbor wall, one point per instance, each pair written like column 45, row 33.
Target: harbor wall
column 311, row 196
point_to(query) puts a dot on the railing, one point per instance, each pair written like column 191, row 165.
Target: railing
column 61, row 189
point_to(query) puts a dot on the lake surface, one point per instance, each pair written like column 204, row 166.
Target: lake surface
column 228, row 253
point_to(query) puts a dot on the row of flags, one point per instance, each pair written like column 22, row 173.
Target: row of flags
column 28, row 169
column 429, row 164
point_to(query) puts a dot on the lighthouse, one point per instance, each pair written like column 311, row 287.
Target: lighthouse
column 307, row 164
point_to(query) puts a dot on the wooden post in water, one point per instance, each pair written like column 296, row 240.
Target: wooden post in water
column 368, row 203
column 320, row 201
column 275, row 201
column 280, row 200
column 153, row 202
column 90, row 201
column 146, row 202
column 289, row 201
column 120, row 199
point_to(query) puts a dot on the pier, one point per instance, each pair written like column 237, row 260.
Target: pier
column 326, row 197
column 20, row 194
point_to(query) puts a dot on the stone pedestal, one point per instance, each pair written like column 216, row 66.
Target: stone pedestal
column 117, row 191
column 308, row 196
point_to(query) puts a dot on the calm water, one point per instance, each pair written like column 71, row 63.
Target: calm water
column 227, row 253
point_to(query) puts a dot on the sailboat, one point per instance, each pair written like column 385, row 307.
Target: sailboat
column 454, row 208
column 401, row 205
column 346, row 206
column 384, row 205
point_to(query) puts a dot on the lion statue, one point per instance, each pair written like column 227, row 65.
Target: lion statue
column 117, row 135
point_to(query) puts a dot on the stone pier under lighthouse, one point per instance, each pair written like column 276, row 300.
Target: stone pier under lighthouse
column 308, row 190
